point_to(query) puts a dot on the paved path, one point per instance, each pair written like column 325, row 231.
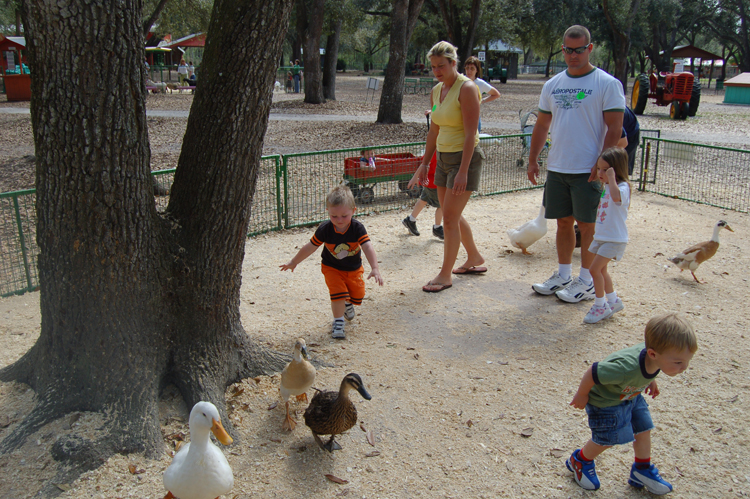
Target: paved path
column 700, row 137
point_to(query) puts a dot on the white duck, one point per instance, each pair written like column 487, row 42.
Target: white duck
column 296, row 378
column 529, row 233
column 692, row 257
column 200, row 470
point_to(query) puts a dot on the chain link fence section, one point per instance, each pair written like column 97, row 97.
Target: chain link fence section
column 290, row 192
column 712, row 175
column 18, row 249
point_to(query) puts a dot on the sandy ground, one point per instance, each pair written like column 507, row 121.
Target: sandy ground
column 470, row 386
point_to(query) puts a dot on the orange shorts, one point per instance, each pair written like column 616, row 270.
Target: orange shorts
column 346, row 285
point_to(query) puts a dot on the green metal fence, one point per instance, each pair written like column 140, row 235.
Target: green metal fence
column 712, row 175
column 291, row 190
column 18, row 249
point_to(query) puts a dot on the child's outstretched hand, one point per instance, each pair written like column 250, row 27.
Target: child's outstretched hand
column 375, row 274
column 652, row 390
column 580, row 400
column 288, row 266
column 611, row 177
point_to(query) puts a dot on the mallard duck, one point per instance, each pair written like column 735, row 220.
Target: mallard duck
column 296, row 378
column 692, row 257
column 200, row 470
column 332, row 413
column 529, row 233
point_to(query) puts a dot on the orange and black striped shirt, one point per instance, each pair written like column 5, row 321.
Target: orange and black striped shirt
column 342, row 251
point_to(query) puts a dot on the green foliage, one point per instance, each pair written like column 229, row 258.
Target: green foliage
column 8, row 16
column 180, row 17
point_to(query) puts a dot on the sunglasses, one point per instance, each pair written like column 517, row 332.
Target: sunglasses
column 579, row 50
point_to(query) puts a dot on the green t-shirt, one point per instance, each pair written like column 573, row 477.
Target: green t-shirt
column 620, row 377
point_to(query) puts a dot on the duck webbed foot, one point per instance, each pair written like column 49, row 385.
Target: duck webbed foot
column 289, row 423
column 332, row 445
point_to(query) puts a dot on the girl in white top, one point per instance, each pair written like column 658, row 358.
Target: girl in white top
column 611, row 232
column 487, row 93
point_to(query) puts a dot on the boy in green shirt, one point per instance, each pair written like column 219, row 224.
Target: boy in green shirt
column 610, row 391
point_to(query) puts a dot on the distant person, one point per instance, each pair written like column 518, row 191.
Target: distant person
column 427, row 196
column 610, row 391
column 182, row 72
column 633, row 131
column 296, row 74
column 191, row 71
column 344, row 240
column 473, row 69
column 583, row 108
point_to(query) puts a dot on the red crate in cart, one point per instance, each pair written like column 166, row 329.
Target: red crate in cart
column 398, row 167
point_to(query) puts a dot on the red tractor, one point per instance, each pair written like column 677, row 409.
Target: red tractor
column 680, row 91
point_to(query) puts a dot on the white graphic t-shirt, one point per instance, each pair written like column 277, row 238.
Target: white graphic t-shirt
column 577, row 130
column 610, row 218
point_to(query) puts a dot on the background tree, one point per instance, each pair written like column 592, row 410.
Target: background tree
column 731, row 26
column 310, row 17
column 176, row 17
column 130, row 299
column 621, row 15
column 403, row 18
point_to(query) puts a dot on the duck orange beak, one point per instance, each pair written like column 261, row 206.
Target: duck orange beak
column 220, row 433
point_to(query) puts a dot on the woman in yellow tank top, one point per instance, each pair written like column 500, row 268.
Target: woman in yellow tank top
column 453, row 132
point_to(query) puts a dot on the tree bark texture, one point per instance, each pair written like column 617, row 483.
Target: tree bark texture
column 331, row 60
column 403, row 19
column 310, row 17
column 451, row 14
column 132, row 300
column 621, row 39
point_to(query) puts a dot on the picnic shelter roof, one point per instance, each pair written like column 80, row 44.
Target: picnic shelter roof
column 694, row 52
column 194, row 40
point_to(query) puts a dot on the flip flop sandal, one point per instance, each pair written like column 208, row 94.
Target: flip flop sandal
column 470, row 270
column 439, row 289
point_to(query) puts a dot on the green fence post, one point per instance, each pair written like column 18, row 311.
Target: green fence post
column 22, row 240
column 285, row 194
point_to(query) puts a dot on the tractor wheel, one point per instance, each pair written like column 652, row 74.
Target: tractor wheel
column 639, row 94
column 695, row 98
column 403, row 185
column 415, row 191
column 674, row 110
column 367, row 195
column 355, row 190
column 684, row 110
column 503, row 79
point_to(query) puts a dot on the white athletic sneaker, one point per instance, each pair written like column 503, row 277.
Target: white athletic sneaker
column 617, row 305
column 349, row 313
column 337, row 331
column 577, row 291
column 597, row 313
column 551, row 285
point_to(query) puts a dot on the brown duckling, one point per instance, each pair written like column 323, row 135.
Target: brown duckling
column 296, row 378
column 692, row 257
column 332, row 413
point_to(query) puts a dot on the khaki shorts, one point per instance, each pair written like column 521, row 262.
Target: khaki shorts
column 448, row 164
column 613, row 251
column 430, row 197
column 571, row 194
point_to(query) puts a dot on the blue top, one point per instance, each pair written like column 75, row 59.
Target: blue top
column 630, row 124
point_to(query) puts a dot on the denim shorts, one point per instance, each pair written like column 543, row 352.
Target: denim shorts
column 613, row 251
column 430, row 197
column 621, row 423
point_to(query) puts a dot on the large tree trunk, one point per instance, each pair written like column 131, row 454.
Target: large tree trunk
column 331, row 59
column 403, row 19
column 310, row 16
column 132, row 300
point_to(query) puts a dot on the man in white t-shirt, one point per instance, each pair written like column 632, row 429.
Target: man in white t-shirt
column 583, row 109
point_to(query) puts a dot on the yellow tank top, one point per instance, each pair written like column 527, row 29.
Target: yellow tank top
column 447, row 115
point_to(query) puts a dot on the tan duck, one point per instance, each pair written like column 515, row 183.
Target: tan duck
column 692, row 257
column 332, row 413
column 296, row 378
